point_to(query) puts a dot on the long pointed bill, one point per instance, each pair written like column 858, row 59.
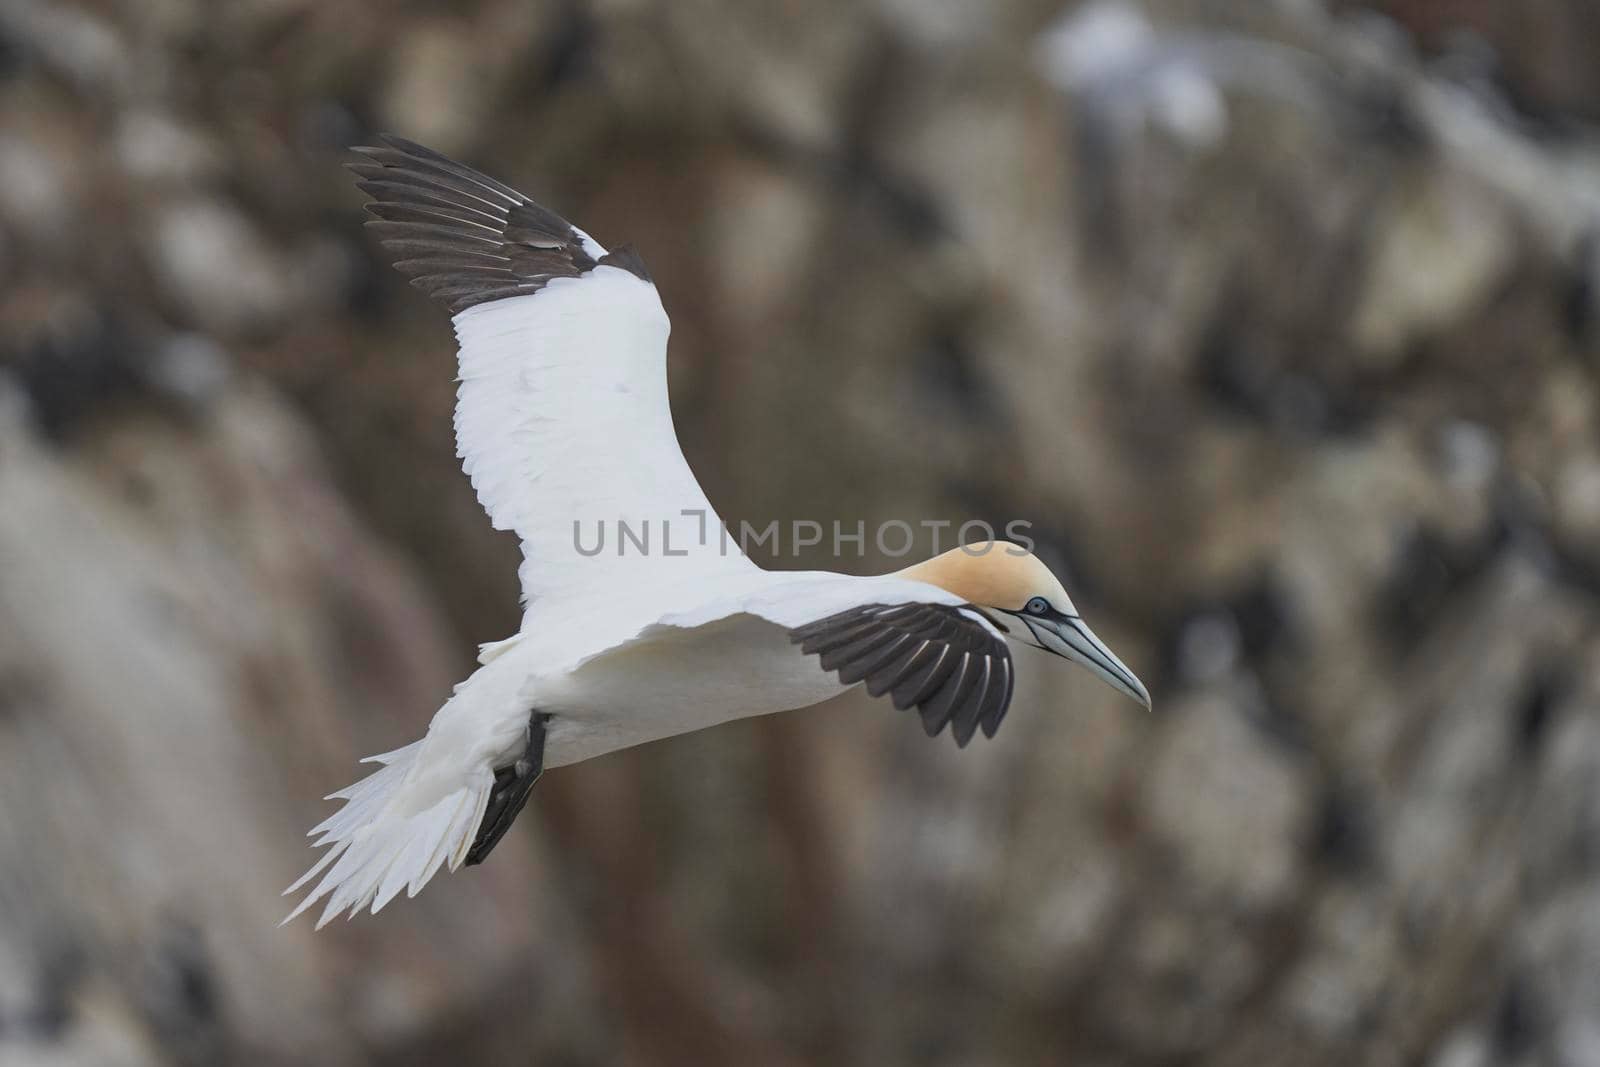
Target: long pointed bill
column 1071, row 638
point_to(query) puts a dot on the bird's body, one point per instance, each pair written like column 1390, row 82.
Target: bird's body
column 670, row 682
column 564, row 427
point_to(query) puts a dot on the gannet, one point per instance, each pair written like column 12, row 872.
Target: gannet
column 561, row 418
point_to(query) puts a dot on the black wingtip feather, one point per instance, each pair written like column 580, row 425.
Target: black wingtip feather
column 427, row 203
column 913, row 652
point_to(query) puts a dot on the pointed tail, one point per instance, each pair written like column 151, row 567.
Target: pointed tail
column 393, row 832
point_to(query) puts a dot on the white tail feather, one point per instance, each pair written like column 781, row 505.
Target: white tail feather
column 493, row 650
column 387, row 837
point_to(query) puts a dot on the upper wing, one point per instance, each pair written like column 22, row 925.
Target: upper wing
column 562, row 420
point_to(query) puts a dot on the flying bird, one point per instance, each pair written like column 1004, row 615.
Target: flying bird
column 561, row 417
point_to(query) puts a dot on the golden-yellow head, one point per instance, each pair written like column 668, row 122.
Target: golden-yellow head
column 1006, row 578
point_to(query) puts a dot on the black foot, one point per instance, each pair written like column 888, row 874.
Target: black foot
column 511, row 788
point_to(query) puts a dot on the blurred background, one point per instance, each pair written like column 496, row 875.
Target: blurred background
column 1280, row 321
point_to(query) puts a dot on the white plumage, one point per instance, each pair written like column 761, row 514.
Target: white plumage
column 563, row 418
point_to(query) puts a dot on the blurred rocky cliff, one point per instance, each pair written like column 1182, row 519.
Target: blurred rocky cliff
column 1279, row 321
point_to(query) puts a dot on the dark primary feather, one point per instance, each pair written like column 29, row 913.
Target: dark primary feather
column 932, row 657
column 463, row 237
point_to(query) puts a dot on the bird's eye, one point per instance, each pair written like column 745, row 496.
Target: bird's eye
column 1038, row 606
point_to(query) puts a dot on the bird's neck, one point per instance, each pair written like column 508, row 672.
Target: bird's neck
column 994, row 573
column 952, row 571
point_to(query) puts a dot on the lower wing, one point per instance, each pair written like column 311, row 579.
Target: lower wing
column 910, row 641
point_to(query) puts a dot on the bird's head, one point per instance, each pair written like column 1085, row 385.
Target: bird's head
column 1011, row 582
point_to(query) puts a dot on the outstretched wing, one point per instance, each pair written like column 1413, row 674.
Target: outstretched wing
column 938, row 658
column 922, row 646
column 562, row 420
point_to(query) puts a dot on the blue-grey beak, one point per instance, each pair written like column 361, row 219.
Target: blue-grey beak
column 1069, row 637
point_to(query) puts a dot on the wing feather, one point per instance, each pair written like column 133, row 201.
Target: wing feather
column 943, row 659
